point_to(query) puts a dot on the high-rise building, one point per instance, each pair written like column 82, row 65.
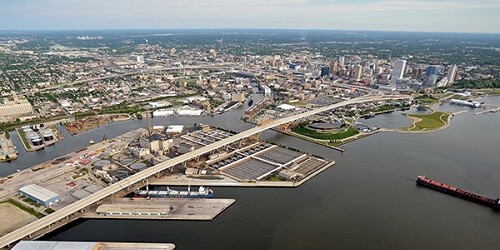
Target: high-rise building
column 358, row 72
column 334, row 67
column 325, row 71
column 431, row 75
column 398, row 71
column 341, row 61
column 452, row 74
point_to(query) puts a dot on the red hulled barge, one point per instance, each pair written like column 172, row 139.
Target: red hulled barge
column 451, row 190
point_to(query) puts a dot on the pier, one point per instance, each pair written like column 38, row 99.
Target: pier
column 64, row 245
column 160, row 209
column 492, row 110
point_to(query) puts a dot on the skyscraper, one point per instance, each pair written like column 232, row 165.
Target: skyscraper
column 452, row 74
column 358, row 72
column 325, row 71
column 398, row 71
column 334, row 67
column 431, row 74
column 341, row 61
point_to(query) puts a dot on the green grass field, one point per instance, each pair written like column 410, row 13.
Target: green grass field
column 428, row 122
column 25, row 208
column 303, row 130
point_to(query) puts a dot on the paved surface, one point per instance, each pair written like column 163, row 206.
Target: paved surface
column 49, row 173
column 182, row 209
column 64, row 245
column 123, row 184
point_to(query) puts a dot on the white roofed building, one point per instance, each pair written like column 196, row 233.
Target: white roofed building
column 40, row 195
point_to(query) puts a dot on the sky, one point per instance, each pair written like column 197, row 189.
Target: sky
column 476, row 16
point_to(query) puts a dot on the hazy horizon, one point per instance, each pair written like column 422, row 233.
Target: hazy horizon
column 450, row 16
column 242, row 29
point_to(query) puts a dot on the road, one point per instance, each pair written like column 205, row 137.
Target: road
column 46, row 221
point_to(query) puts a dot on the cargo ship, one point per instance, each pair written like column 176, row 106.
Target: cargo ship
column 170, row 193
column 451, row 190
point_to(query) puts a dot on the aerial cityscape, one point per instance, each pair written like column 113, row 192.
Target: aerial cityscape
column 193, row 130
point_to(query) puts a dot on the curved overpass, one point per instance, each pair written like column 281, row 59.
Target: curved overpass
column 48, row 220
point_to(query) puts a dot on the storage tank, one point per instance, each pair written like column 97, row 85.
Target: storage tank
column 139, row 166
column 102, row 165
column 37, row 141
column 48, row 136
column 127, row 161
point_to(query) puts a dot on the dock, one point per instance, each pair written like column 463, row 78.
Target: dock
column 63, row 245
column 160, row 209
column 492, row 110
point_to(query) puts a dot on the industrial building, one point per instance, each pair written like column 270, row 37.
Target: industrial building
column 163, row 112
column 16, row 106
column 238, row 97
column 40, row 195
column 174, row 129
column 156, row 142
column 133, row 209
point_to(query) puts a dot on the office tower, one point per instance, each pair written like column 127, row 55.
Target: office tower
column 325, row 71
column 358, row 72
column 452, row 74
column 431, row 75
column 334, row 68
column 398, row 71
column 341, row 61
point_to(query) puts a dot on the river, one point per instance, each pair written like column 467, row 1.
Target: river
column 368, row 200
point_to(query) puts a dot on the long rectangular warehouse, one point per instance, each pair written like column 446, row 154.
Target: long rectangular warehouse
column 40, row 195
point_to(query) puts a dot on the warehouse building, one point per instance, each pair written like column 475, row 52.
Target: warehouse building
column 40, row 195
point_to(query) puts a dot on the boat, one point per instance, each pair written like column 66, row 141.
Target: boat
column 457, row 192
column 170, row 193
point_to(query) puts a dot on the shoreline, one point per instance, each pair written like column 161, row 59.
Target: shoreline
column 362, row 135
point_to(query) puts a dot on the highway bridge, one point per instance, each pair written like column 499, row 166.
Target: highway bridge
column 47, row 221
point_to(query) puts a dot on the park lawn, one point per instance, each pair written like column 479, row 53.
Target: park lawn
column 428, row 122
column 303, row 130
